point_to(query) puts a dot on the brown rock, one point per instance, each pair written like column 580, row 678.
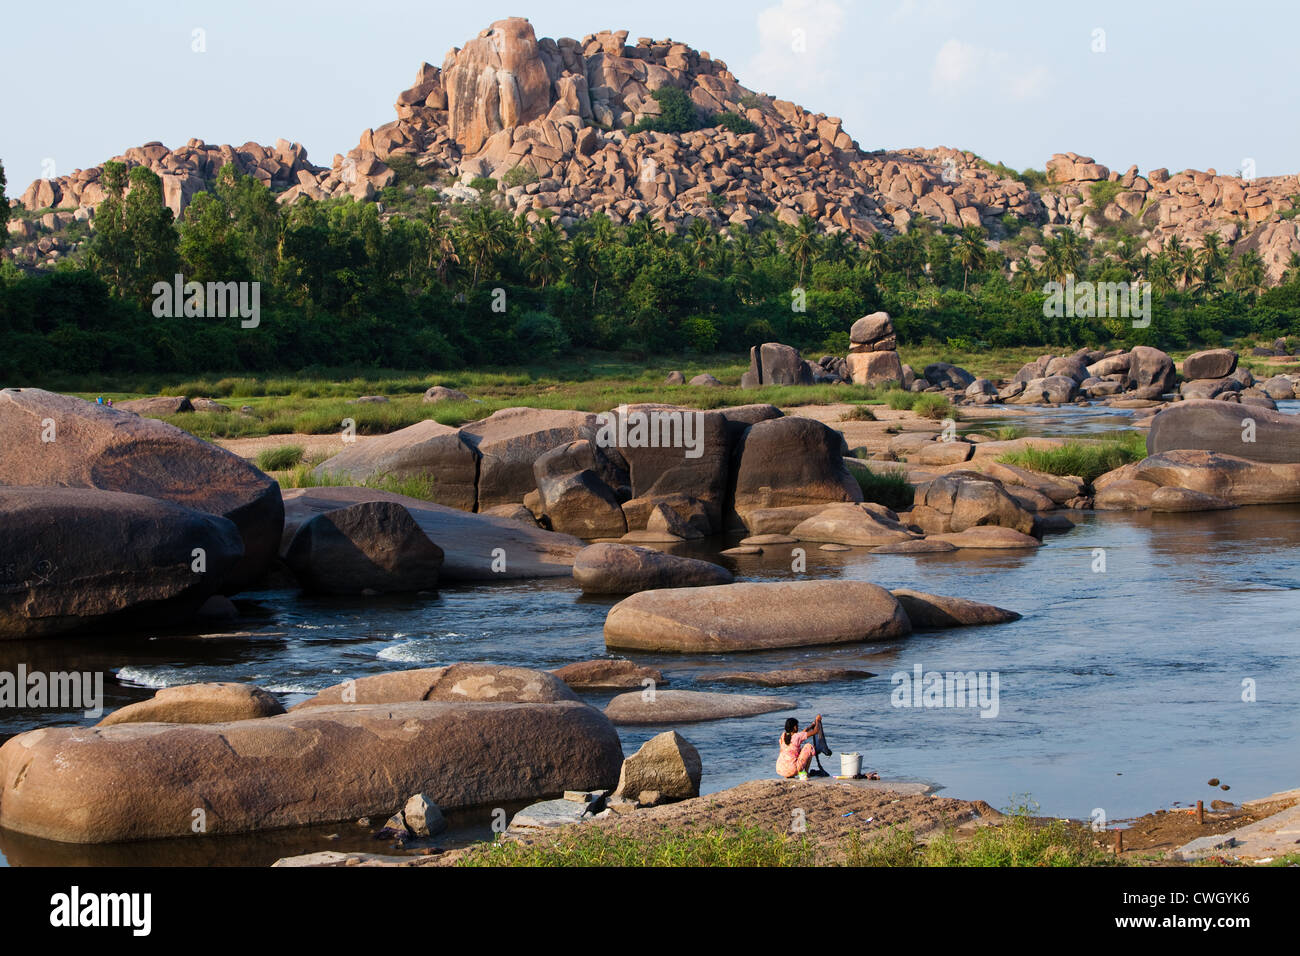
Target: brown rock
column 198, row 704
column 688, row 706
column 496, row 683
column 369, row 546
column 609, row 568
column 931, row 611
column 667, row 764
column 606, row 674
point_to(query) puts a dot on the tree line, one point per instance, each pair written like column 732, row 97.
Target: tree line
column 355, row 284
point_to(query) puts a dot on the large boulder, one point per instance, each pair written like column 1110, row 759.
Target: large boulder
column 791, row 461
column 57, row 440
column 957, row 502
column 320, row 765
column 1213, row 363
column 426, row 450
column 73, row 558
column 1236, row 480
column 688, row 706
column 491, row 683
column 1055, row 390
column 875, row 368
column 945, row 375
column 369, row 546
column 667, row 764
column 160, row 406
column 673, row 450
column 873, row 333
column 496, row 82
column 864, row 525
column 755, row 616
column 610, row 568
column 476, row 547
column 577, row 482
column 198, row 704
column 1256, row 434
column 1150, row 372
column 511, row 440
column 775, row 364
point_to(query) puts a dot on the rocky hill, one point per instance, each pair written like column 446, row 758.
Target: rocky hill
column 555, row 122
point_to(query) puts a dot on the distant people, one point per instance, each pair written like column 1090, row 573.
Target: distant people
column 100, row 400
column 798, row 748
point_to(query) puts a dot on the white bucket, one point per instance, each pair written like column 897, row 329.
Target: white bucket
column 850, row 764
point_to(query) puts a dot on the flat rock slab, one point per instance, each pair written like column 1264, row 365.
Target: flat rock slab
column 904, row 787
column 1273, row 836
column 990, row 537
column 791, row 676
column 689, row 706
column 550, row 814
column 497, row 683
column 321, row 765
column 932, row 611
column 624, row 569
column 608, row 674
column 919, row 546
column 755, row 616
column 468, row 540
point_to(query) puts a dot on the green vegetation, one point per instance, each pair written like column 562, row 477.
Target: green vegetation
column 677, row 113
column 281, row 458
column 734, row 122
column 519, row 176
column 1102, row 193
column 1020, row 840
column 343, row 284
column 934, row 407
column 859, row 413
column 484, row 184
column 1087, row 461
column 413, row 486
column 889, row 488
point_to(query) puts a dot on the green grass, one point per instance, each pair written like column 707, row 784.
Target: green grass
column 859, row 413
column 413, row 486
column 1020, row 840
column 934, row 407
column 889, row 488
column 280, row 458
column 1085, row 461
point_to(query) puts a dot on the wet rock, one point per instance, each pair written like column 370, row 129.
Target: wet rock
column 610, row 568
column 755, row 616
column 454, row 682
column 792, row 676
column 932, row 611
column 198, row 704
column 74, row 558
column 370, row 546
column 688, row 706
column 605, row 674
column 322, row 765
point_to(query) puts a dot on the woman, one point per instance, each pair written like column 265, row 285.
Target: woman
column 798, row 747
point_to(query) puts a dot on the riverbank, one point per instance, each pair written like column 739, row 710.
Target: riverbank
column 839, row 823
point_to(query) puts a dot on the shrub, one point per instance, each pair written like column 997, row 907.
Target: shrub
column 280, row 458
column 701, row 333
column 859, row 413
column 934, row 407
column 677, row 113
column 519, row 176
column 484, row 184
column 889, row 488
column 734, row 123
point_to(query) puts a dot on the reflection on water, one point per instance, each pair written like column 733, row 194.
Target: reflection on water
column 1120, row 689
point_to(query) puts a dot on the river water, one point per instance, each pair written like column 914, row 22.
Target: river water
column 1123, row 689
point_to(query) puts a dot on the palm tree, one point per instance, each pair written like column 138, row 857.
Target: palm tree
column 971, row 252
column 1292, row 272
column 484, row 237
column 646, row 231
column 1161, row 273
column 544, row 258
column 875, row 255
column 802, row 245
column 583, row 263
column 442, row 253
column 1212, row 260
column 1248, row 273
column 702, row 241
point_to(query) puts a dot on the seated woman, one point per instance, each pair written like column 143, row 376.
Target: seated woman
column 799, row 747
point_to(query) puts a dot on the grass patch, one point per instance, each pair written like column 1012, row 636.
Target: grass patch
column 1088, row 462
column 1020, row 840
column 889, row 488
column 412, row 486
column 934, row 407
column 859, row 413
column 597, row 846
column 280, row 458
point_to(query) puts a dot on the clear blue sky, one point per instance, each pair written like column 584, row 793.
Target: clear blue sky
column 1189, row 84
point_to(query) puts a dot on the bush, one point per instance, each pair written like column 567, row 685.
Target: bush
column 734, row 123
column 859, row 413
column 484, row 184
column 888, row 488
column 934, row 407
column 701, row 334
column 677, row 113
column 280, row 458
column 519, row 176
column 1088, row 462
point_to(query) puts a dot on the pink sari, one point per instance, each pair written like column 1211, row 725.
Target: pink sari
column 787, row 762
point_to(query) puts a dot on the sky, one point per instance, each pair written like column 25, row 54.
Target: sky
column 1180, row 85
